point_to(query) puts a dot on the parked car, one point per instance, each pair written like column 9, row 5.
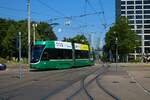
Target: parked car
column 2, row 66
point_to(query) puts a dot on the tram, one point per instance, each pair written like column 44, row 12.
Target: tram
column 59, row 55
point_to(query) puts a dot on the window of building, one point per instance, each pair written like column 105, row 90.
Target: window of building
column 130, row 2
column 123, row 12
column 146, row 26
column 147, row 50
column 139, row 12
column 146, row 21
column 122, row 2
column 138, row 16
column 123, row 7
column 146, row 16
column 131, row 21
column 147, row 7
column 147, row 31
column 130, row 17
column 130, row 12
column 138, row 7
column 130, row 7
column 138, row 31
column 139, row 21
column 147, row 43
column 132, row 26
column 146, row 11
column 138, row 26
column 138, row 2
column 147, row 37
column 147, row 2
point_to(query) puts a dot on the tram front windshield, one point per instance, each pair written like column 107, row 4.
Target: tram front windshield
column 36, row 53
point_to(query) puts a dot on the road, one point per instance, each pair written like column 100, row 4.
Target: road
column 130, row 82
column 38, row 84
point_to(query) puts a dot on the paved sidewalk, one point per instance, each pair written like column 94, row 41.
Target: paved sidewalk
column 123, row 85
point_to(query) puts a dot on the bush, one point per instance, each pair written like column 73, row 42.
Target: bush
column 2, row 60
column 136, row 61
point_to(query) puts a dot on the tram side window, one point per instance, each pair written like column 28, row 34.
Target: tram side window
column 64, row 54
column 67, row 54
column 51, row 53
column 46, row 55
column 81, row 54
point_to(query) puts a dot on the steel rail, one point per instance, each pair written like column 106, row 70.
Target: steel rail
column 106, row 91
column 101, row 71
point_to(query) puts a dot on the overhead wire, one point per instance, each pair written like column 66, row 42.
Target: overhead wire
column 51, row 8
column 85, row 11
column 73, row 17
column 21, row 10
column 89, row 3
column 103, row 13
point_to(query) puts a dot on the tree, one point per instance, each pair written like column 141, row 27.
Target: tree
column 9, row 42
column 4, row 25
column 45, row 32
column 9, row 30
column 127, row 41
column 77, row 39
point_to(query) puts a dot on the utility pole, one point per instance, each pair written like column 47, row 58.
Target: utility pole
column 20, row 67
column 34, row 26
column 143, row 50
column 116, row 52
column 29, row 27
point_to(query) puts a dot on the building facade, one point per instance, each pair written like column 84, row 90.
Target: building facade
column 138, row 14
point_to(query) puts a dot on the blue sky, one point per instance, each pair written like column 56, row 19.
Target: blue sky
column 44, row 10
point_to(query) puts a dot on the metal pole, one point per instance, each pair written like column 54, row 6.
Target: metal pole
column 116, row 52
column 143, row 50
column 29, row 41
column 20, row 67
column 33, row 33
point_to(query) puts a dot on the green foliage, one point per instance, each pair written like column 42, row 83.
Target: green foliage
column 9, row 41
column 104, row 57
column 9, row 30
column 77, row 39
column 127, row 39
column 45, row 32
column 2, row 60
column 136, row 61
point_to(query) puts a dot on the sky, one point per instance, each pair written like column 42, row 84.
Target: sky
column 88, row 16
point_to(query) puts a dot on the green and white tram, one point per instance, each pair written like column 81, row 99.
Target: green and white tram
column 59, row 55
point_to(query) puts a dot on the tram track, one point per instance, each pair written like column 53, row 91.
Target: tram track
column 48, row 76
column 61, row 88
column 84, row 85
column 41, row 77
column 106, row 91
column 96, row 78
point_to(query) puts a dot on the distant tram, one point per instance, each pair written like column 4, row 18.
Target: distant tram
column 59, row 55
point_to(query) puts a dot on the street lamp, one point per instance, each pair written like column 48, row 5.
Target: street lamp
column 34, row 26
column 116, row 42
column 29, row 21
column 116, row 52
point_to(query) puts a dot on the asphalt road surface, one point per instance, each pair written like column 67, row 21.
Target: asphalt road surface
column 99, row 82
column 36, row 85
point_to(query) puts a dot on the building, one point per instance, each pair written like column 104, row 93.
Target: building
column 138, row 14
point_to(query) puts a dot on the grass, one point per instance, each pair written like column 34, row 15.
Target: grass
column 3, row 61
column 13, row 62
